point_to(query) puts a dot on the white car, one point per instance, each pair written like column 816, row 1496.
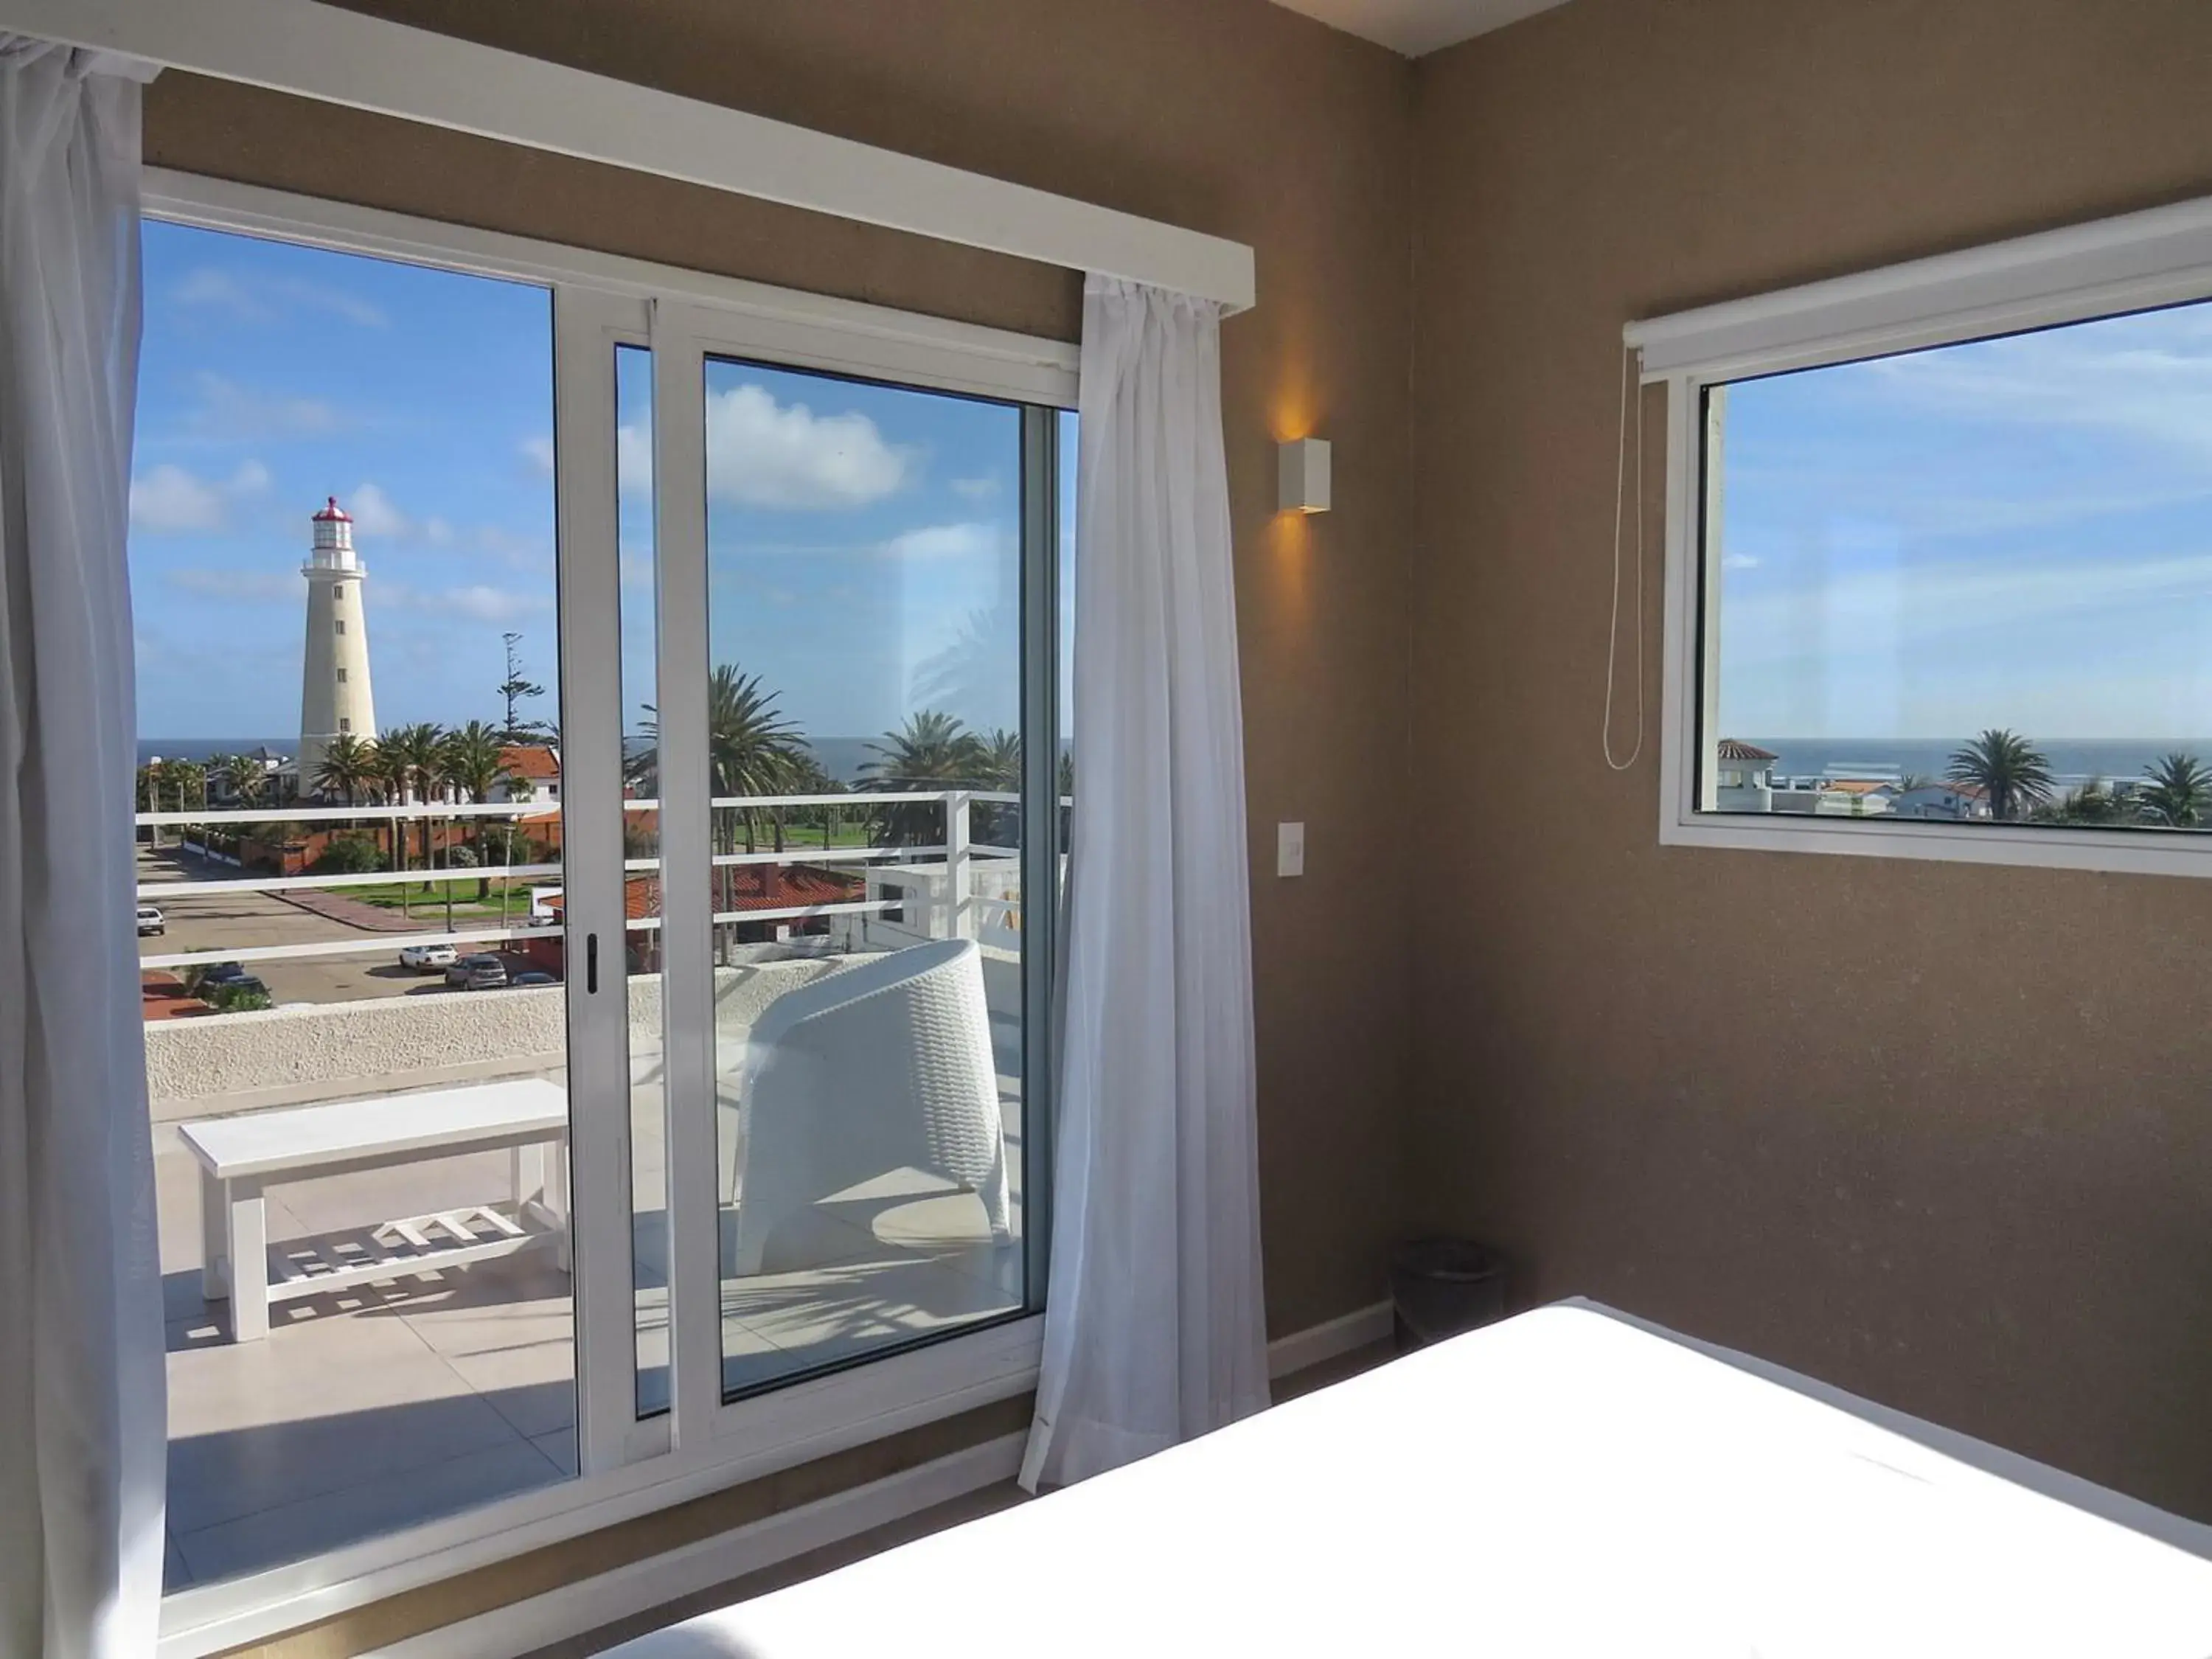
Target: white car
column 429, row 958
column 151, row 920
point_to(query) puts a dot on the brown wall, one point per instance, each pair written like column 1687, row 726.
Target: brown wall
column 1941, row 1135
column 1231, row 115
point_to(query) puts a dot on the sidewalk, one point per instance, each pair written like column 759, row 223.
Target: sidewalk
column 369, row 917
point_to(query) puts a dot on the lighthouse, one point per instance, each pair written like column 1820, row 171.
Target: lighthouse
column 334, row 697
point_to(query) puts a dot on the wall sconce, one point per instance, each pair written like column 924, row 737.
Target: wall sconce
column 1304, row 476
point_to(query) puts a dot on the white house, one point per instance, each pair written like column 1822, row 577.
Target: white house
column 1743, row 777
column 1958, row 802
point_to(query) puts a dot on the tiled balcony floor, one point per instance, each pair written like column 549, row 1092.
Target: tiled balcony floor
column 377, row 1406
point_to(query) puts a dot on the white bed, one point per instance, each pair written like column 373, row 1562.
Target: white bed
column 1568, row 1482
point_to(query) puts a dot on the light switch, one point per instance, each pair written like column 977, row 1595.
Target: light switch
column 1290, row 849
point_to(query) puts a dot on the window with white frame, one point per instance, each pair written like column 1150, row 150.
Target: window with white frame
column 784, row 576
column 1940, row 556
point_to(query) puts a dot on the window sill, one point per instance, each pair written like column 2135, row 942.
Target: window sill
column 2109, row 852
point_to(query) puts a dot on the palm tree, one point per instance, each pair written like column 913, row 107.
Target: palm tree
column 348, row 765
column 390, row 774
column 752, row 749
column 935, row 752
column 2093, row 803
column 411, row 761
column 474, row 760
column 999, row 768
column 180, row 779
column 245, row 775
column 2176, row 791
column 2015, row 775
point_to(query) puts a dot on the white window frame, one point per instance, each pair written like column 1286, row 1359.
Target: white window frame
column 630, row 1467
column 2106, row 268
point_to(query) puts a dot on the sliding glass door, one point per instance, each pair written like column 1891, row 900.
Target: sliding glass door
column 846, row 575
column 639, row 953
column 357, row 760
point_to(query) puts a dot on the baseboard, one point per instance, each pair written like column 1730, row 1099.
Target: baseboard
column 1362, row 1327
column 522, row 1626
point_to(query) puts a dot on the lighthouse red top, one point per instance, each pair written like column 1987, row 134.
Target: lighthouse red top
column 333, row 513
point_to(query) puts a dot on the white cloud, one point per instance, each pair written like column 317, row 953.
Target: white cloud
column 171, row 501
column 975, row 490
column 478, row 602
column 763, row 453
column 2147, row 377
column 483, row 602
column 516, row 552
column 538, row 451
column 261, row 298
column 1929, row 606
column 1739, row 562
column 258, row 587
column 634, row 460
column 229, row 412
column 944, row 541
column 376, row 514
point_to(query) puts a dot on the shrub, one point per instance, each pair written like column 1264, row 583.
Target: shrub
column 350, row 855
column 237, row 999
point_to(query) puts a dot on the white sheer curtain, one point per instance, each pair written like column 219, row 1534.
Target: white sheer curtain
column 81, row 1411
column 1154, row 1330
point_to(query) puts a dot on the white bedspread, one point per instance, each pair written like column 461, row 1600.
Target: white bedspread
column 1568, row 1482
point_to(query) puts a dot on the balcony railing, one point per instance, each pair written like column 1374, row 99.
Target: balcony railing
column 967, row 911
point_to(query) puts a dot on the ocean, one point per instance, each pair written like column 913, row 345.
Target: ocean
column 2073, row 761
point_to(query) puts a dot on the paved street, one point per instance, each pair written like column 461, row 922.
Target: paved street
column 232, row 922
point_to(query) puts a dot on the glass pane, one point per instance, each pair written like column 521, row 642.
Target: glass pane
column 1969, row 583
column 649, row 1234
column 342, row 555
column 864, row 568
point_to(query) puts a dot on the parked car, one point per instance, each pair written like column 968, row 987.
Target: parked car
column 534, row 976
column 428, row 958
column 222, row 973
column 151, row 920
column 478, row 973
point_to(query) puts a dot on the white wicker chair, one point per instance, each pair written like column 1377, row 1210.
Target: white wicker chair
column 881, row 1067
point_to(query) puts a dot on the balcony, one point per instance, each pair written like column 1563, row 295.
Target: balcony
column 397, row 1398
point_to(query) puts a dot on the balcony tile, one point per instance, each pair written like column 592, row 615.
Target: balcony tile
column 399, row 1498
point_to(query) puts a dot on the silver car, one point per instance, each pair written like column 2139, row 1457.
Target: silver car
column 478, row 973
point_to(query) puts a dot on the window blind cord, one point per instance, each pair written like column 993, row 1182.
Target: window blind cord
column 1612, row 629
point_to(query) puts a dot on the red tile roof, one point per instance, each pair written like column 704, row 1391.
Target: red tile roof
column 537, row 762
column 796, row 884
column 1732, row 748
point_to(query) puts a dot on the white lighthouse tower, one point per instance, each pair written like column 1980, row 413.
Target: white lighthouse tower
column 335, row 696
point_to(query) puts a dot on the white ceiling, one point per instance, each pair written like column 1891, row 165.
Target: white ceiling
column 1414, row 26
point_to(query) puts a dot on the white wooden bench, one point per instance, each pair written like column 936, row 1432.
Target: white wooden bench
column 240, row 1156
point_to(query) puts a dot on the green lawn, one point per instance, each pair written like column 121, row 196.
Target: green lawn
column 796, row 837
column 413, row 896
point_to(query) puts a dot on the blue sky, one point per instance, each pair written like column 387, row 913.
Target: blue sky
column 2013, row 533
column 862, row 539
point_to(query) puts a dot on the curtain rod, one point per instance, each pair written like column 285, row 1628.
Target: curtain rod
column 339, row 56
